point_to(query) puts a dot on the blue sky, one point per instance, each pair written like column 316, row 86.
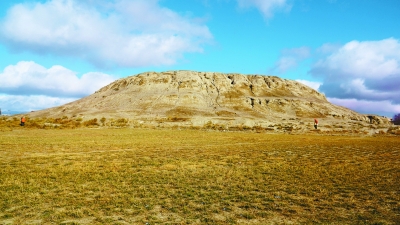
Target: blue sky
column 56, row 51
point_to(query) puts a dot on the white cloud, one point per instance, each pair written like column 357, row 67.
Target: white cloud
column 17, row 103
column 128, row 33
column 285, row 63
column 368, row 59
column 328, row 48
column 290, row 58
column 266, row 7
column 368, row 71
column 362, row 75
column 384, row 108
column 29, row 78
column 357, row 88
column 312, row 84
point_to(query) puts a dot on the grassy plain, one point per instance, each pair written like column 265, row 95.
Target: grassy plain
column 150, row 176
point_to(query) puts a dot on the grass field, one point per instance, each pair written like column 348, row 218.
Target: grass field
column 150, row 176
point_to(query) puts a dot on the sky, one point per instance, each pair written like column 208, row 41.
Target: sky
column 56, row 51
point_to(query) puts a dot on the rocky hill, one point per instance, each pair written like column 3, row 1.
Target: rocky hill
column 192, row 98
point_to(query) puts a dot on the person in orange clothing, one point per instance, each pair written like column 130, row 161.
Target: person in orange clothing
column 315, row 123
column 23, row 120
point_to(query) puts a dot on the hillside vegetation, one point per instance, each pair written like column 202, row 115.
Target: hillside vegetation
column 172, row 176
column 291, row 125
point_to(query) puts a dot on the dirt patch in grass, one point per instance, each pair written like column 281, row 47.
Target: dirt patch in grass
column 139, row 176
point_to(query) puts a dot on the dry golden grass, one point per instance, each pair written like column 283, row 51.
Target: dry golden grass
column 148, row 176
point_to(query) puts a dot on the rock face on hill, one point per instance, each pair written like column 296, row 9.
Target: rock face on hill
column 195, row 98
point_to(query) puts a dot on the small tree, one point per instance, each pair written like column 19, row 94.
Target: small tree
column 396, row 119
column 103, row 120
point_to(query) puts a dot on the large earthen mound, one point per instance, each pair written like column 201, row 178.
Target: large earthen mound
column 197, row 98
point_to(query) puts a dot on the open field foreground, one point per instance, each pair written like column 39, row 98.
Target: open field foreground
column 150, row 176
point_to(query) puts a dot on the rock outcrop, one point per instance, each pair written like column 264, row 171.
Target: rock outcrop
column 198, row 97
